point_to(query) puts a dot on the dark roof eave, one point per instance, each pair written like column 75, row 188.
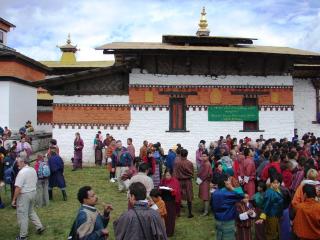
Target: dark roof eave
column 5, row 54
column 7, row 23
column 46, row 83
column 17, row 80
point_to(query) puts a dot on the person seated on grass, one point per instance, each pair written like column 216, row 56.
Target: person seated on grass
column 90, row 223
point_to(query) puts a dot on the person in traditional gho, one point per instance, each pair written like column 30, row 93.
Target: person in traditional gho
column 275, row 163
column 201, row 148
column 171, row 196
column 205, row 174
column 56, row 178
column 157, row 154
column 108, row 154
column 223, row 204
column 77, row 146
column 151, row 162
column 131, row 148
column 140, row 222
column 143, row 149
column 53, row 143
column 249, row 171
column 98, row 146
column 246, row 215
column 121, row 161
column 272, row 208
column 306, row 224
column 258, row 198
column 184, row 172
column 90, row 223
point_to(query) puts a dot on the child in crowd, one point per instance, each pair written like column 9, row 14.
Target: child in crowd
column 246, row 214
column 260, row 231
column 161, row 206
column 272, row 207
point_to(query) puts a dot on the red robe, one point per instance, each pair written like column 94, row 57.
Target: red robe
column 205, row 174
column 249, row 170
column 265, row 171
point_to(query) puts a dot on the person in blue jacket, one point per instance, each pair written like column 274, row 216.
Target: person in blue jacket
column 223, row 203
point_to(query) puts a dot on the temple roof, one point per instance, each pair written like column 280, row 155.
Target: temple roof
column 78, row 64
column 115, row 47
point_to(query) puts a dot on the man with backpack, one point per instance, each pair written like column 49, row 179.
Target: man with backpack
column 90, row 223
column 43, row 172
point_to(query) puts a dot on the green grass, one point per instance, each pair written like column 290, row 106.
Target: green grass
column 59, row 215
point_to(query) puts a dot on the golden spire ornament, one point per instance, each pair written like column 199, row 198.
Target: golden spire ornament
column 203, row 30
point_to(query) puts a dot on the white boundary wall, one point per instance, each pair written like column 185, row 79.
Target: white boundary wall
column 305, row 107
column 91, row 99
column 153, row 125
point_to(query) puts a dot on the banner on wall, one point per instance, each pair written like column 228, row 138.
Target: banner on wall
column 233, row 113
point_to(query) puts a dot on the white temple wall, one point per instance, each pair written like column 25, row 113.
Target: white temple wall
column 304, row 98
column 23, row 105
column 91, row 99
column 4, row 103
column 177, row 80
column 153, row 126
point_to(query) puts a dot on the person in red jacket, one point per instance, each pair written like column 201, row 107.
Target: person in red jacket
column 151, row 161
column 274, row 164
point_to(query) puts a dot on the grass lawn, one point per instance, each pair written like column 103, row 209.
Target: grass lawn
column 59, row 215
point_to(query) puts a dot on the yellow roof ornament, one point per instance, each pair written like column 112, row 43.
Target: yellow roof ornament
column 203, row 30
column 68, row 52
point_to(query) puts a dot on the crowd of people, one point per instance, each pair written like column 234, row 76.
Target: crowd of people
column 261, row 189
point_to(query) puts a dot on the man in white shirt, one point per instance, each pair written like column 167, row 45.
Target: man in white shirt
column 24, row 198
column 143, row 178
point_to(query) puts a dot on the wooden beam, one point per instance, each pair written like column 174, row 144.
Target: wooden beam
column 249, row 93
column 178, row 93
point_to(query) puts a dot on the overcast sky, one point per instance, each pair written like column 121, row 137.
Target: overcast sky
column 41, row 25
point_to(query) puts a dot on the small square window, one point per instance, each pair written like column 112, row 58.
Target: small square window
column 1, row 37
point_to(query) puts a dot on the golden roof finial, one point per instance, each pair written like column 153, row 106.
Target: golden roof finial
column 203, row 30
column 68, row 40
column 68, row 52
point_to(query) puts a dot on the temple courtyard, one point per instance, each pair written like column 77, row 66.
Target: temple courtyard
column 59, row 215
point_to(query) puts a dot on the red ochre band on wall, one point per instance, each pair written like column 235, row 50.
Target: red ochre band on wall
column 212, row 96
column 91, row 114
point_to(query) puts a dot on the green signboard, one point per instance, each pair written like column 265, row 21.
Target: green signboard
column 233, row 113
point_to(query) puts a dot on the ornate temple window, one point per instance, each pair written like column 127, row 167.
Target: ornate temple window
column 177, row 115
column 250, row 125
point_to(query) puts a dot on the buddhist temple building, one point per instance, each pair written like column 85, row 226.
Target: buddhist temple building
column 67, row 64
column 18, row 95
column 187, row 88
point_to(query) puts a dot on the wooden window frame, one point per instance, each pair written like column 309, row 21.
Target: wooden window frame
column 246, row 123
column 172, row 101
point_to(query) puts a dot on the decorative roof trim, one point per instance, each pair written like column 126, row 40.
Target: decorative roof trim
column 90, row 125
column 208, row 86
